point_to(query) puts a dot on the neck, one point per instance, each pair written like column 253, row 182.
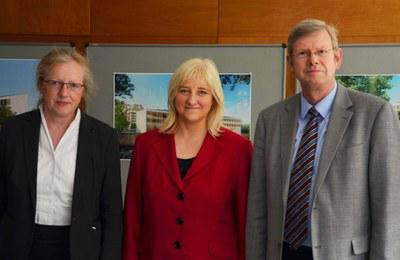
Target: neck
column 315, row 94
column 191, row 131
column 188, row 140
column 57, row 127
column 57, row 122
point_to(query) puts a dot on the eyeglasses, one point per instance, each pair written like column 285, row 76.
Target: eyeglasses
column 56, row 84
column 321, row 53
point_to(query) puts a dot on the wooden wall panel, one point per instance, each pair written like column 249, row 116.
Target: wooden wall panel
column 270, row 20
column 154, row 19
column 193, row 21
column 45, row 17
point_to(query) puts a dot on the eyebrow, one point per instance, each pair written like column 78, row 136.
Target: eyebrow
column 318, row 48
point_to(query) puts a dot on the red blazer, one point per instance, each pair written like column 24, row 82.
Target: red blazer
column 199, row 218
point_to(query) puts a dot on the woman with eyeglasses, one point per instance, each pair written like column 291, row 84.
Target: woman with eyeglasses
column 60, row 188
column 187, row 186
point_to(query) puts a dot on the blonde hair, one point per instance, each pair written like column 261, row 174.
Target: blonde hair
column 60, row 55
column 308, row 26
column 197, row 69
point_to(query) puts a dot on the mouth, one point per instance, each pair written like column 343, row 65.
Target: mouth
column 314, row 72
column 62, row 103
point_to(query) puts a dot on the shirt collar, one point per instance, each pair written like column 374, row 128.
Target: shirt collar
column 323, row 107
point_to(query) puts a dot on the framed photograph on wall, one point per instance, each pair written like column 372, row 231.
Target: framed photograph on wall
column 18, row 93
column 140, row 104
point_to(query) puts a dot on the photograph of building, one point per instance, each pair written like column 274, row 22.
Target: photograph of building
column 384, row 86
column 18, row 93
column 17, row 103
column 140, row 104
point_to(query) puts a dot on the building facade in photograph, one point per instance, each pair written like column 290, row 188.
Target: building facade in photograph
column 17, row 103
column 144, row 119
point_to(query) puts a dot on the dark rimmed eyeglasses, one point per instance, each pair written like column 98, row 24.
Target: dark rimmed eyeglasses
column 57, row 84
column 321, row 53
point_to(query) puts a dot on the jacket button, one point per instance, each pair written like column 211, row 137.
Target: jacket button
column 179, row 220
column 177, row 244
column 181, row 196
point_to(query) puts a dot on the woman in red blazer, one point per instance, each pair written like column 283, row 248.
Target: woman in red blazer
column 187, row 187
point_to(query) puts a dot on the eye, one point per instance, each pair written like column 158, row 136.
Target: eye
column 202, row 92
column 51, row 82
column 322, row 52
column 302, row 54
column 183, row 91
column 74, row 85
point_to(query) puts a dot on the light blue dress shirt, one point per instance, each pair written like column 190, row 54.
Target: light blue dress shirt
column 324, row 108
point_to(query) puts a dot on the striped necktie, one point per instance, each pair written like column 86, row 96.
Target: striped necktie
column 296, row 226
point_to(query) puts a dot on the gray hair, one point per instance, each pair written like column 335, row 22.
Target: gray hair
column 308, row 26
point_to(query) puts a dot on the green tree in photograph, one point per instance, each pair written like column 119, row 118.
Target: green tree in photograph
column 376, row 85
column 5, row 111
column 231, row 80
column 123, row 85
column 121, row 122
column 245, row 130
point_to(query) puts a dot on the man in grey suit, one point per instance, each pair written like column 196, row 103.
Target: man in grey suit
column 325, row 180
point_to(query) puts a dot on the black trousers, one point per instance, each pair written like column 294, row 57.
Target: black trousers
column 50, row 243
column 302, row 253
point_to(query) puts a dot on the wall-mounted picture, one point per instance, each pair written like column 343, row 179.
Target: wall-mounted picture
column 384, row 86
column 140, row 104
column 18, row 93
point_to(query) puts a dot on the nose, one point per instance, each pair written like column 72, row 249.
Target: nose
column 313, row 58
column 192, row 98
column 63, row 90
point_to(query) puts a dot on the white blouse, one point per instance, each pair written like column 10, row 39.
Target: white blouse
column 56, row 174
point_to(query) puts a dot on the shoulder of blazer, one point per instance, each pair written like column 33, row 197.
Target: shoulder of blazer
column 360, row 97
column 229, row 137
column 92, row 122
column 358, row 102
column 22, row 123
column 30, row 116
column 150, row 137
column 287, row 104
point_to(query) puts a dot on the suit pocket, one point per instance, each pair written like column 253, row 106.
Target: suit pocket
column 223, row 251
column 360, row 245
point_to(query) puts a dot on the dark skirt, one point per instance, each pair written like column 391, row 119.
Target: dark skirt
column 50, row 243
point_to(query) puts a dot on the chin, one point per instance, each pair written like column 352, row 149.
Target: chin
column 193, row 120
column 64, row 113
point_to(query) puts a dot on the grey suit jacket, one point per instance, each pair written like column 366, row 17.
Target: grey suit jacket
column 356, row 200
column 96, row 217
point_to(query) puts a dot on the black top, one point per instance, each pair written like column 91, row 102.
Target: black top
column 184, row 165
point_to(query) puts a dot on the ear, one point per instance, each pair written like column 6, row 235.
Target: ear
column 338, row 56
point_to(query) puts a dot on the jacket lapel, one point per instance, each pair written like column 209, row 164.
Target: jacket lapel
column 288, row 124
column 208, row 152
column 165, row 150
column 338, row 123
column 84, row 163
column 31, row 147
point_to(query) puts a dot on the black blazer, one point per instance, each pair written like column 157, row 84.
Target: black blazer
column 96, row 217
